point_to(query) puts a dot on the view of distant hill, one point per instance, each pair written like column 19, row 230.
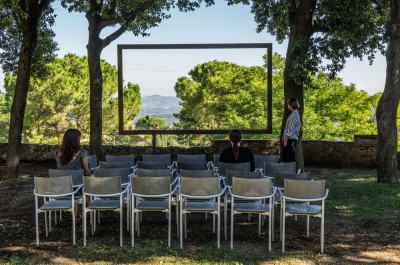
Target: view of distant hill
column 160, row 106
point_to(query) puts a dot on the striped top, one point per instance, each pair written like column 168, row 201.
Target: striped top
column 293, row 125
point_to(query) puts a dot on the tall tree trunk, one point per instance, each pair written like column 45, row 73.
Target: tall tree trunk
column 301, row 30
column 388, row 104
column 94, row 48
column 29, row 39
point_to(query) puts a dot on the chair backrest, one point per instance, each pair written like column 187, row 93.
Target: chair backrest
column 124, row 164
column 192, row 158
column 251, row 187
column 192, row 166
column 120, row 158
column 92, row 161
column 216, row 160
column 260, row 159
column 151, row 186
column 304, row 189
column 185, row 173
column 113, row 172
column 269, row 168
column 279, row 177
column 105, row 185
column 200, row 186
column 223, row 167
column 152, row 165
column 165, row 158
column 241, row 174
column 53, row 186
column 76, row 174
column 144, row 172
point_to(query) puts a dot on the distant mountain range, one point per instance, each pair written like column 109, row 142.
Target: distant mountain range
column 160, row 106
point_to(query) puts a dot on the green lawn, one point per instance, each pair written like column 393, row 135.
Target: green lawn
column 354, row 196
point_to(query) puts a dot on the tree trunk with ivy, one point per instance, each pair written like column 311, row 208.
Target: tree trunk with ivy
column 389, row 102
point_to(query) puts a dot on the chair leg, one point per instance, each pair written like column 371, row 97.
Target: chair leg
column 232, row 216
column 181, row 222
column 283, row 217
column 84, row 224
column 133, row 224
column 308, row 226
column 37, row 221
column 169, row 223
column 225, row 216
column 219, row 223
column 73, row 227
column 259, row 224
column 270, row 225
column 121, row 227
column 177, row 216
column 322, row 232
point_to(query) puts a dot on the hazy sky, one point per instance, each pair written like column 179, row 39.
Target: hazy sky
column 156, row 71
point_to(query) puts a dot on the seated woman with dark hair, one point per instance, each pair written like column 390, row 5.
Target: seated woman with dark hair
column 70, row 155
column 237, row 153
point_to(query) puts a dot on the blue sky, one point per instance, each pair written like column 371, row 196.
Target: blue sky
column 156, row 71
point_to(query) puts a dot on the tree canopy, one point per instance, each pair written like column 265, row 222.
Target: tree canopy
column 61, row 101
column 226, row 95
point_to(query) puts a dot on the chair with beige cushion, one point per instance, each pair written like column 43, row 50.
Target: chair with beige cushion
column 50, row 189
column 106, row 195
column 255, row 196
column 151, row 194
column 303, row 191
column 200, row 195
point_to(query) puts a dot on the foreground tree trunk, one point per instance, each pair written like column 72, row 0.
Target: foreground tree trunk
column 301, row 30
column 389, row 102
column 29, row 16
column 94, row 48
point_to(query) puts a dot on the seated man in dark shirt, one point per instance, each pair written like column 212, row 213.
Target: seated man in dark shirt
column 237, row 153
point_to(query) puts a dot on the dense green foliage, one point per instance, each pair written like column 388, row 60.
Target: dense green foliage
column 222, row 95
column 11, row 37
column 225, row 95
column 217, row 95
column 62, row 101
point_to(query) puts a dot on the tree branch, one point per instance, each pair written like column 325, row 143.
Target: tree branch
column 125, row 20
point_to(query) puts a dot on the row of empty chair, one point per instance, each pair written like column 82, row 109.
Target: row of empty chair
column 230, row 187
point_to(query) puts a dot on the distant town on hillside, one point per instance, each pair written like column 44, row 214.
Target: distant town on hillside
column 160, row 106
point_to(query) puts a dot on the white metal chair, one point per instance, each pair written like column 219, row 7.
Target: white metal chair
column 206, row 193
column 303, row 191
column 151, row 194
column 50, row 189
column 252, row 195
column 230, row 174
column 106, row 195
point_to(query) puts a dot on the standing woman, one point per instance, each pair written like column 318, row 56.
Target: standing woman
column 237, row 153
column 70, row 155
column 291, row 132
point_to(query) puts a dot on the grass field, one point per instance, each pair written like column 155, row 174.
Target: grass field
column 362, row 227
